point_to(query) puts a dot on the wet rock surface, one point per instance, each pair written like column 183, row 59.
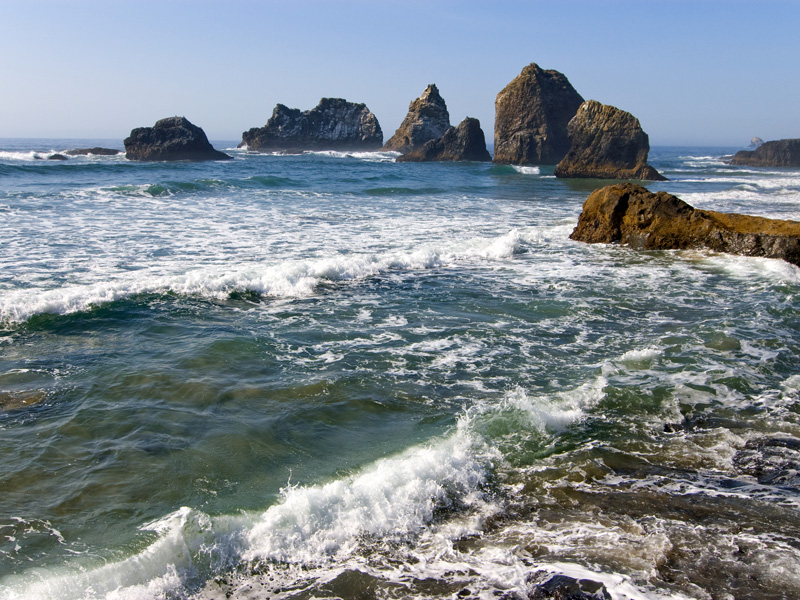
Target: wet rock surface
column 631, row 214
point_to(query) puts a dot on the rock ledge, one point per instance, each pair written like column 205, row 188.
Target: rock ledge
column 630, row 214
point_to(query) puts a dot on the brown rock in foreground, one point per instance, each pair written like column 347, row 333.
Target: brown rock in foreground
column 630, row 214
column 531, row 116
column 606, row 143
column 465, row 142
column 776, row 153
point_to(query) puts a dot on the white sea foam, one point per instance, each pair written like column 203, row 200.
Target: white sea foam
column 526, row 170
column 392, row 500
column 289, row 279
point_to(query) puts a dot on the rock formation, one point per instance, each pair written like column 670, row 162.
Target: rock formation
column 334, row 124
column 777, row 153
column 755, row 142
column 94, row 151
column 465, row 142
column 630, row 214
column 427, row 119
column 606, row 143
column 531, row 116
column 173, row 138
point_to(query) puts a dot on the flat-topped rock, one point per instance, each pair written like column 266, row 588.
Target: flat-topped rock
column 606, row 143
column 427, row 120
column 531, row 117
column 334, row 124
column 465, row 142
column 777, row 153
column 171, row 139
column 630, row 214
column 96, row 151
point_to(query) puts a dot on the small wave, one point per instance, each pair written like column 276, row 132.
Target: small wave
column 290, row 279
column 403, row 191
column 526, row 170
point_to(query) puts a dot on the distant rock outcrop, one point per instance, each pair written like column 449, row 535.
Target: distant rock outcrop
column 427, row 119
column 606, row 143
column 630, row 214
column 170, row 139
column 531, row 116
column 777, row 153
column 755, row 142
column 94, row 151
column 334, row 124
column 465, row 142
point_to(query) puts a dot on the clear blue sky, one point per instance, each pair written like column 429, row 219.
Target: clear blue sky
column 699, row 72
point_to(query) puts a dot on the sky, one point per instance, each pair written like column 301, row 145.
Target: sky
column 694, row 72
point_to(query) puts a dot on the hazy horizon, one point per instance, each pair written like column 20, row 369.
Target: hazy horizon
column 708, row 73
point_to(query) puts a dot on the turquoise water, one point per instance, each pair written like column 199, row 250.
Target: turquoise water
column 334, row 375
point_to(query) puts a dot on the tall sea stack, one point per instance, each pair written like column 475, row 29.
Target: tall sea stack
column 606, row 143
column 427, row 120
column 531, row 117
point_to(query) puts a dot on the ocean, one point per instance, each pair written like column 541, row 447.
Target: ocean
column 331, row 375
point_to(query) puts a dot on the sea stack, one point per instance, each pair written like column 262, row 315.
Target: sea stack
column 777, row 153
column 531, row 117
column 465, row 142
column 334, row 124
column 606, row 143
column 630, row 214
column 173, row 138
column 427, row 120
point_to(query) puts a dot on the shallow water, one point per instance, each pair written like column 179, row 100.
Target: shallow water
column 336, row 375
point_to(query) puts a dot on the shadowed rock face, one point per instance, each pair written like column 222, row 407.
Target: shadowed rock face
column 427, row 119
column 630, row 214
column 531, row 116
column 777, row 153
column 174, row 138
column 606, row 143
column 465, row 142
column 334, row 124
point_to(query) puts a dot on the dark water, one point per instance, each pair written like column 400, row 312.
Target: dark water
column 334, row 375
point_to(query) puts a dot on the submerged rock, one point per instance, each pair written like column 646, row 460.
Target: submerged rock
column 465, row 142
column 630, row 214
column 563, row 587
column 95, row 151
column 531, row 117
column 777, row 153
column 771, row 460
column 334, row 124
column 606, row 143
column 56, row 157
column 173, row 138
column 427, row 119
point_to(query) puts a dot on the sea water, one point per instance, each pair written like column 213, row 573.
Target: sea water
column 335, row 375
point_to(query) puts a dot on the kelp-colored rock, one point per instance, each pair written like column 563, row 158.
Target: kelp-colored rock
column 465, row 142
column 173, row 138
column 334, row 124
column 630, row 214
column 531, row 116
column 427, row 120
column 776, row 153
column 606, row 143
